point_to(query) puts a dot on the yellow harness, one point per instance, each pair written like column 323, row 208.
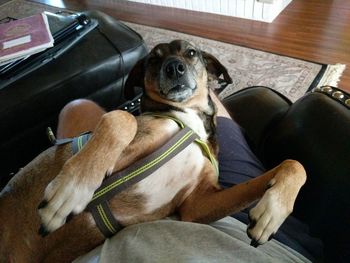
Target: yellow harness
column 117, row 182
column 203, row 145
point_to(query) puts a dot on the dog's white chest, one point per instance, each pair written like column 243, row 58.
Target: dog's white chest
column 179, row 173
column 191, row 119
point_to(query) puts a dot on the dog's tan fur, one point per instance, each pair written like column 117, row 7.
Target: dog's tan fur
column 120, row 139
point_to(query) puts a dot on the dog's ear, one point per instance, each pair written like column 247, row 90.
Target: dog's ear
column 215, row 69
column 135, row 80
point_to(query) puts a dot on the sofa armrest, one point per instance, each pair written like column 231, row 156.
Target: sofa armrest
column 257, row 109
column 315, row 131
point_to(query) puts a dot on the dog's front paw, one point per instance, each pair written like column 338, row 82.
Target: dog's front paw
column 277, row 203
column 67, row 194
column 266, row 218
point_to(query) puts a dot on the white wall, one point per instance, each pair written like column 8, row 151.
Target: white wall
column 262, row 10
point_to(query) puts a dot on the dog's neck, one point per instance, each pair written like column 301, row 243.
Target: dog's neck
column 200, row 120
column 150, row 105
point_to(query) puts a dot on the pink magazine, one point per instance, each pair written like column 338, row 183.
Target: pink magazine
column 24, row 37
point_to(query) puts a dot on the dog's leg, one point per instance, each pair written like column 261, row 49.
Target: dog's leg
column 82, row 174
column 277, row 188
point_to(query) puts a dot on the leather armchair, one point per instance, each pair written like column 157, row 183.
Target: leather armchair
column 315, row 131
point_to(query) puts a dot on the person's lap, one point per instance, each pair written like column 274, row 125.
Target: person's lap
column 168, row 240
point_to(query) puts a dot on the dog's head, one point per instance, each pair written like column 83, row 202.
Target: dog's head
column 175, row 73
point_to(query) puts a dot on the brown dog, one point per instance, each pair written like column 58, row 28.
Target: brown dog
column 174, row 77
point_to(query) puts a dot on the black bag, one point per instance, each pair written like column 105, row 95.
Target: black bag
column 92, row 62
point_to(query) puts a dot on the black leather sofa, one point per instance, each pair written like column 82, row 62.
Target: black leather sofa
column 315, row 131
column 95, row 68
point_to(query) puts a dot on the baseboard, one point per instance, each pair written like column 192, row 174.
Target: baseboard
column 261, row 10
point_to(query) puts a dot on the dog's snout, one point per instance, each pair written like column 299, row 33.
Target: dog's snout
column 175, row 69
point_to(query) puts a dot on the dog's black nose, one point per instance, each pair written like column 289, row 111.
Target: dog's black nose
column 175, row 68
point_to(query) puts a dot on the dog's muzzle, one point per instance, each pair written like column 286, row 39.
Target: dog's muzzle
column 176, row 81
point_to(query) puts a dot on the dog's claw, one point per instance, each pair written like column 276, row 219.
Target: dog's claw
column 69, row 217
column 42, row 231
column 252, row 224
column 42, row 204
column 271, row 237
column 254, row 243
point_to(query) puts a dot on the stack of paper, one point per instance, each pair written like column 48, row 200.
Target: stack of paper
column 24, row 37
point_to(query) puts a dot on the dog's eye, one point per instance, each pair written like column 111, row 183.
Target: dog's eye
column 191, row 53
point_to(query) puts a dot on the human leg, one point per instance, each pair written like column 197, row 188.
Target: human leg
column 77, row 117
column 237, row 162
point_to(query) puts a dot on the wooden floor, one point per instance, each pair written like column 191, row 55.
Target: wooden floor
column 308, row 29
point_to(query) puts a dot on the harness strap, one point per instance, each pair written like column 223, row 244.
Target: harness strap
column 119, row 181
column 202, row 144
column 206, row 151
column 79, row 142
column 104, row 219
column 101, row 213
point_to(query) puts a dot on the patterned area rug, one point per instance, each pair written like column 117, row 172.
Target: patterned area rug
column 247, row 67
